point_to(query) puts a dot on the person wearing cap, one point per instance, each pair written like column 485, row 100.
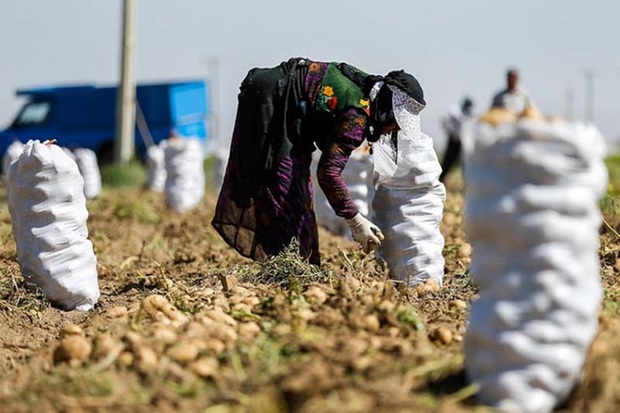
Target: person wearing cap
column 452, row 124
column 513, row 98
column 285, row 113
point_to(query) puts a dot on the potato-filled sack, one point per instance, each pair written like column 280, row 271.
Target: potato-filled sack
column 532, row 218
column 409, row 198
column 48, row 216
column 185, row 176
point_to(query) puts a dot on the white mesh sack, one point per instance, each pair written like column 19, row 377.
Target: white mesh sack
column 532, row 219
column 408, row 207
column 156, row 167
column 48, row 216
column 86, row 160
column 220, row 162
column 68, row 151
column 12, row 153
column 185, row 178
column 357, row 174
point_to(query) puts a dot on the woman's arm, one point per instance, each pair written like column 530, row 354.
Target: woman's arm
column 347, row 135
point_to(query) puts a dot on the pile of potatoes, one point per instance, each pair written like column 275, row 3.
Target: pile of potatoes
column 155, row 337
column 171, row 336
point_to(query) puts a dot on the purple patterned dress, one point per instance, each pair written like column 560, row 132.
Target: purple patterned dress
column 283, row 207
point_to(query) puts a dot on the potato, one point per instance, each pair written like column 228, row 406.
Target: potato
column 71, row 330
column 457, row 305
column 497, row 116
column 249, row 330
column 73, row 349
column 183, row 352
column 103, row 345
column 205, row 367
column 441, row 335
column 315, row 295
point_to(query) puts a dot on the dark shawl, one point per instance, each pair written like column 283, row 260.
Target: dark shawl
column 269, row 118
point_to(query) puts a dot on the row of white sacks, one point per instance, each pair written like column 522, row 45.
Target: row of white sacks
column 175, row 167
column 86, row 160
column 47, row 202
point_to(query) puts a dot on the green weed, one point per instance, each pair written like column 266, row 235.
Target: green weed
column 408, row 316
column 287, row 269
column 68, row 382
column 16, row 294
column 130, row 175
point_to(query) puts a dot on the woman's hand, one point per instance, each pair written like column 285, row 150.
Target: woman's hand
column 365, row 232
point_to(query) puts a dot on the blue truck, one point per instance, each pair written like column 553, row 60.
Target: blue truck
column 85, row 115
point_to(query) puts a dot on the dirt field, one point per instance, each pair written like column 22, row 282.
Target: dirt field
column 184, row 324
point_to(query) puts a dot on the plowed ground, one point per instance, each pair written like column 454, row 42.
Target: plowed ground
column 184, row 324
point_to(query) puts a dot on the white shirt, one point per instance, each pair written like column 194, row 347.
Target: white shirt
column 453, row 120
column 515, row 101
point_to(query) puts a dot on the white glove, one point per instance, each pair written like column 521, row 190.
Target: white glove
column 365, row 232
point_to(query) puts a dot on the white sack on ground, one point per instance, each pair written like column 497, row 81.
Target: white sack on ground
column 408, row 207
column 185, row 178
column 69, row 152
column 12, row 153
column 156, row 167
column 532, row 219
column 220, row 162
column 48, row 214
column 88, row 166
column 357, row 175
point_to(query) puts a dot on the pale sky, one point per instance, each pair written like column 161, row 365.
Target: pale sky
column 453, row 47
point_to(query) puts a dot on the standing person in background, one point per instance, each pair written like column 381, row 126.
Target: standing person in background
column 513, row 98
column 284, row 114
column 452, row 124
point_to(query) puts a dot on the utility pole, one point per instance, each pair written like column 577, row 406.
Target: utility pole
column 589, row 74
column 213, row 74
column 126, row 93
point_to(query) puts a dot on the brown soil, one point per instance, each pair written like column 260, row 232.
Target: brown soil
column 184, row 324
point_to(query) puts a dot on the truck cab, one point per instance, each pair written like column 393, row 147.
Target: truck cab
column 85, row 116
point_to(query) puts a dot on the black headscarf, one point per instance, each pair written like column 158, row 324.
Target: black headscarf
column 381, row 108
column 407, row 83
